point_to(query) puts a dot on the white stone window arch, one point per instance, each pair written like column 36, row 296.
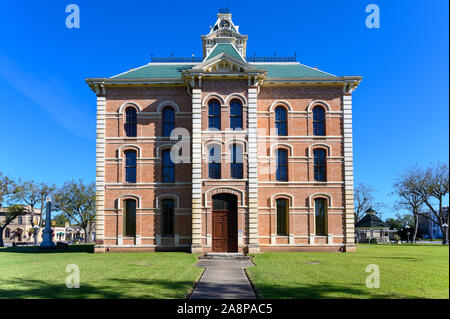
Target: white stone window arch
column 213, row 96
column 122, row 198
column 236, row 96
column 283, row 103
column 163, row 104
column 125, row 105
column 312, row 147
column 315, row 103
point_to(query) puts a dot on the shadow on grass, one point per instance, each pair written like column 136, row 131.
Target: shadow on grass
column 87, row 248
column 320, row 291
column 110, row 289
column 392, row 257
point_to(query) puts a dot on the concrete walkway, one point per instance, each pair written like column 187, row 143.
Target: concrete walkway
column 223, row 279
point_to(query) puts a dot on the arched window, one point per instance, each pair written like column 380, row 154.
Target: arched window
column 282, row 217
column 281, row 121
column 168, row 121
column 131, row 122
column 7, row 233
column 214, row 115
column 129, row 218
column 236, row 161
column 168, row 167
column 130, row 166
column 282, row 165
column 320, row 165
column 214, row 162
column 236, row 115
column 319, row 121
column 320, row 207
column 167, row 217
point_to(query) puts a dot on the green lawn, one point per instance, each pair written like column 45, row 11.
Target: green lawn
column 27, row 273
column 406, row 271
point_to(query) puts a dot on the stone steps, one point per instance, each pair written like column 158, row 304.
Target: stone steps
column 224, row 256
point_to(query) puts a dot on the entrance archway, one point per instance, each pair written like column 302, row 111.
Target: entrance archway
column 224, row 223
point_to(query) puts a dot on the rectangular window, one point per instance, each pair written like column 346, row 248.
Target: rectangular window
column 131, row 122
column 282, row 165
column 281, row 121
column 320, row 167
column 130, row 166
column 167, row 217
column 318, row 121
column 214, row 115
column 214, row 170
column 320, row 205
column 236, row 165
column 129, row 218
column 168, row 171
column 235, row 115
column 282, row 217
column 214, row 167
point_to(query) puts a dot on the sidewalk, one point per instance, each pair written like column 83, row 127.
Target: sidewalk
column 223, row 279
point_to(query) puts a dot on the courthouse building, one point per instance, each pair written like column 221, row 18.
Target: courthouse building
column 260, row 157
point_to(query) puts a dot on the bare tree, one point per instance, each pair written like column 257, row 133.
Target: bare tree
column 410, row 201
column 77, row 201
column 431, row 185
column 364, row 200
column 34, row 196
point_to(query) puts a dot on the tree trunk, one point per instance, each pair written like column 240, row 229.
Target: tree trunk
column 1, row 237
column 416, row 227
column 86, row 236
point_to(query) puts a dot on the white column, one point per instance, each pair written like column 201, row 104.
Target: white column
column 100, row 170
column 348, row 173
column 196, row 246
column 253, row 245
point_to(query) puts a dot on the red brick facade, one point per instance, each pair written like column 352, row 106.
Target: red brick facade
column 149, row 99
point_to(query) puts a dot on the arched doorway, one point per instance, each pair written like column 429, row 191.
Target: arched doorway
column 224, row 223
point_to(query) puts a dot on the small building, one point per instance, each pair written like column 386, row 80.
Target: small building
column 20, row 229
column 371, row 226
column 429, row 227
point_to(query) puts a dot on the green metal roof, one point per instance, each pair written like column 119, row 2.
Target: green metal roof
column 224, row 47
column 173, row 70
column 156, row 71
column 290, row 70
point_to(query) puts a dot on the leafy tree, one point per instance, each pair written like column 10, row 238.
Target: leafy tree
column 6, row 189
column 400, row 223
column 77, row 201
column 60, row 220
column 394, row 223
column 34, row 196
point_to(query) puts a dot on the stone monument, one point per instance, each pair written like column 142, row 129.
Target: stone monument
column 47, row 237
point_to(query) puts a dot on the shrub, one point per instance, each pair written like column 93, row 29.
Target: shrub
column 373, row 241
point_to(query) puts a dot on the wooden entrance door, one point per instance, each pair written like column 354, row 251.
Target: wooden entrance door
column 224, row 223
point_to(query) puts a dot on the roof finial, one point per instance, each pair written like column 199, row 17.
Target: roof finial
column 224, row 10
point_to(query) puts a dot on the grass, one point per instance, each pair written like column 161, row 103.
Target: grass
column 406, row 271
column 30, row 273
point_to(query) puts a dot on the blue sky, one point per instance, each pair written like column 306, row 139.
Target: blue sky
column 401, row 108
